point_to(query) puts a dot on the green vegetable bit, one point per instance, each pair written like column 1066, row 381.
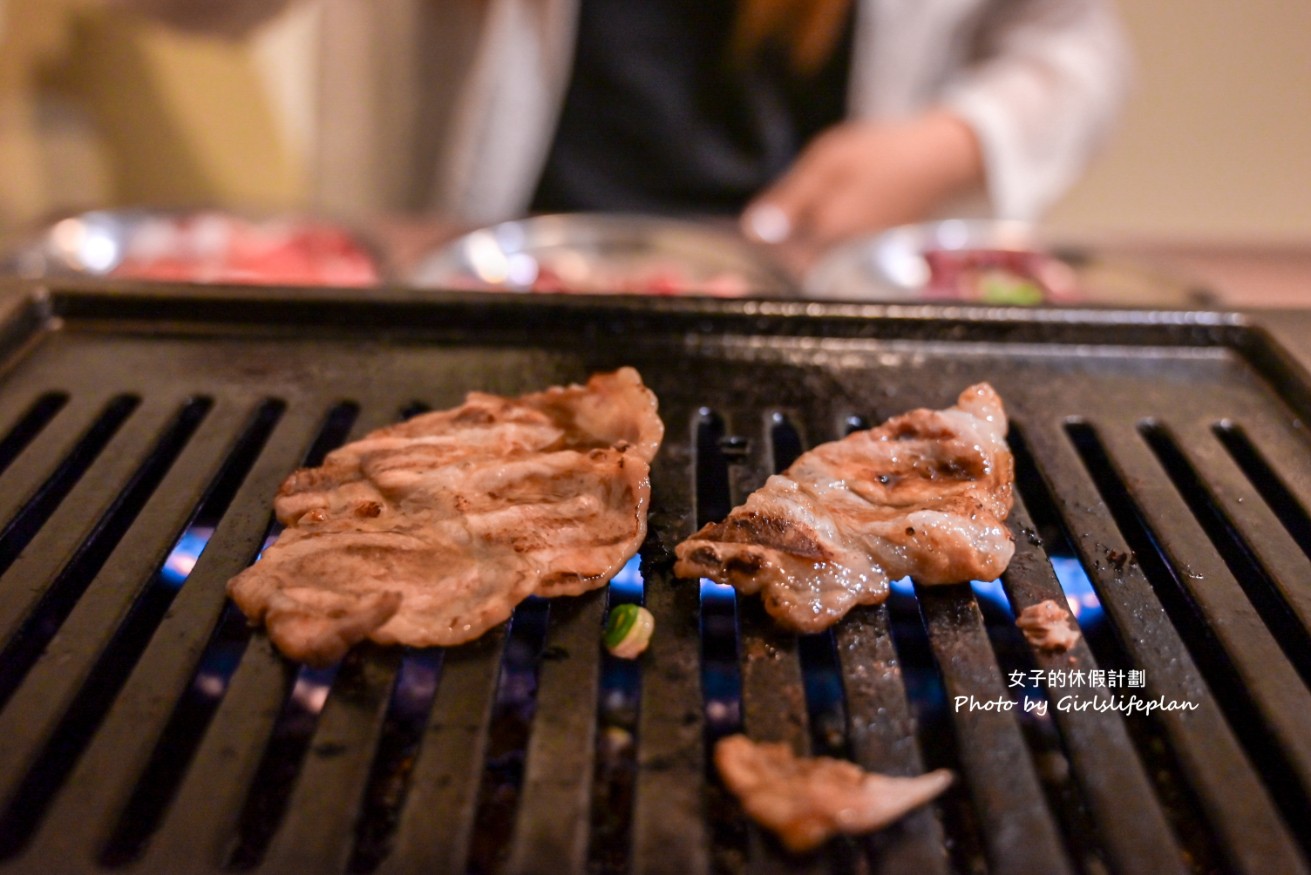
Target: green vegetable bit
column 628, row 631
column 1003, row 289
column 622, row 621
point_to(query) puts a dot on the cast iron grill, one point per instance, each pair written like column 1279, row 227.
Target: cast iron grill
column 1161, row 458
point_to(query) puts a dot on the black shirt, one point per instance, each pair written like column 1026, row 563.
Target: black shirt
column 658, row 119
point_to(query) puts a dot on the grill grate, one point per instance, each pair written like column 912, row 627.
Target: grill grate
column 1160, row 459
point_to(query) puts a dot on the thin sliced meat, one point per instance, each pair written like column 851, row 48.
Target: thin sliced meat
column 806, row 801
column 924, row 495
column 429, row 532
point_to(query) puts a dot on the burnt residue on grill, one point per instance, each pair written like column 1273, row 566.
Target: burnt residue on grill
column 1045, row 529
column 1163, row 490
column 1242, row 669
column 1278, row 606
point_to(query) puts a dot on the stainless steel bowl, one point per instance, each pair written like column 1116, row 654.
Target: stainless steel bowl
column 991, row 262
column 200, row 246
column 592, row 253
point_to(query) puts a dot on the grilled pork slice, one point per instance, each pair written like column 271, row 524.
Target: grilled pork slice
column 925, row 495
column 806, row 801
column 429, row 532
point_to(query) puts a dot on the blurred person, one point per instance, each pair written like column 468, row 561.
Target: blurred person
column 812, row 119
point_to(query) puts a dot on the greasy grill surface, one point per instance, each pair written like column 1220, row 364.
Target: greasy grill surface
column 1164, row 481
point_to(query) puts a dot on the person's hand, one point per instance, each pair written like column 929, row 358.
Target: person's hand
column 859, row 177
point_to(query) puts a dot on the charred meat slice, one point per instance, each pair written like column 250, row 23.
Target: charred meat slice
column 806, row 801
column 924, row 495
column 429, row 532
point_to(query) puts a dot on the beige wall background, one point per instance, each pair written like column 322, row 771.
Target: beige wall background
column 1216, row 142
column 101, row 108
column 1215, row 145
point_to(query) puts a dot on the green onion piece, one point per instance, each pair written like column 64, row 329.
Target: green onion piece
column 628, row 631
column 621, row 622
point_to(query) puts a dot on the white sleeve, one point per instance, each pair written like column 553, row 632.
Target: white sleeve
column 230, row 18
column 1049, row 81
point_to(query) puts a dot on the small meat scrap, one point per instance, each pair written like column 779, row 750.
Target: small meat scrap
column 925, row 495
column 1049, row 626
column 429, row 532
column 806, row 801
